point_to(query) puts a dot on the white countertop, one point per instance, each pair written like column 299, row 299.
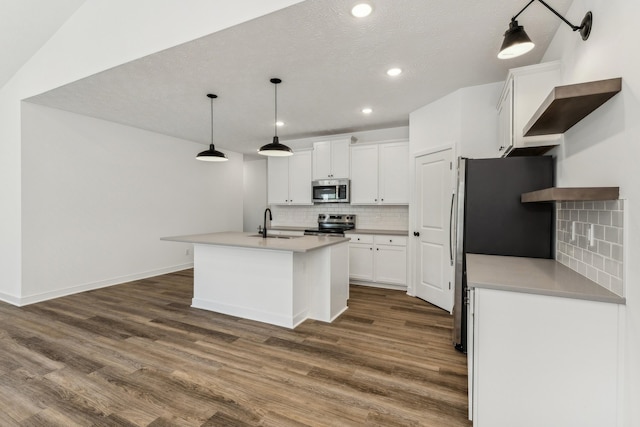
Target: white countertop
column 290, row 227
column 534, row 276
column 249, row 240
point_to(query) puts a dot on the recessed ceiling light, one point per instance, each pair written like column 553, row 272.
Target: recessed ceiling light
column 367, row 110
column 279, row 123
column 394, row 72
column 361, row 10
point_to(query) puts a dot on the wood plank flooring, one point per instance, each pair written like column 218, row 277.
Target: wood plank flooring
column 137, row 354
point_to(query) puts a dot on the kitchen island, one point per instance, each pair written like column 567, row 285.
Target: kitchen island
column 281, row 280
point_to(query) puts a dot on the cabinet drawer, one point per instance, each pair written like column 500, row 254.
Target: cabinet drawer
column 361, row 238
column 390, row 240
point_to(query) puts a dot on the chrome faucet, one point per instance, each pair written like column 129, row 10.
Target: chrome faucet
column 264, row 227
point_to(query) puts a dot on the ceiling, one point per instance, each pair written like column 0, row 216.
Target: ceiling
column 332, row 65
column 26, row 25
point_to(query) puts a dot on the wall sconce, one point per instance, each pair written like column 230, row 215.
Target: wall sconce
column 517, row 42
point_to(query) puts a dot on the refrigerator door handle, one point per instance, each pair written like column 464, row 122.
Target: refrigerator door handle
column 450, row 229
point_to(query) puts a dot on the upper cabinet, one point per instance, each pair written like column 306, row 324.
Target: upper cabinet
column 380, row 174
column 331, row 159
column 289, row 179
column 524, row 91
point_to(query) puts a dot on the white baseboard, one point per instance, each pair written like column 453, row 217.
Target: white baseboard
column 9, row 299
column 32, row 299
column 378, row 285
column 246, row 313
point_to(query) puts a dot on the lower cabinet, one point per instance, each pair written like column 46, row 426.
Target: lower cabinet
column 379, row 259
column 540, row 360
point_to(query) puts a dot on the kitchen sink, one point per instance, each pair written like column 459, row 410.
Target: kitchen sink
column 275, row 237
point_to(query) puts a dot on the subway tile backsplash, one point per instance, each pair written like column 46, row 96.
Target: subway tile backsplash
column 372, row 217
column 603, row 261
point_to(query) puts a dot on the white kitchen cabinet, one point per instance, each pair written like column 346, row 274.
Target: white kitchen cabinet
column 278, row 180
column 380, row 174
column 524, row 91
column 364, row 174
column 540, row 360
column 390, row 259
column 378, row 259
column 361, row 257
column 393, row 166
column 289, row 179
column 331, row 159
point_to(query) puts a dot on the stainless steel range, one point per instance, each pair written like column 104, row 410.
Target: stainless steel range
column 332, row 225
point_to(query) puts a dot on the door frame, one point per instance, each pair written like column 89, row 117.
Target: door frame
column 411, row 247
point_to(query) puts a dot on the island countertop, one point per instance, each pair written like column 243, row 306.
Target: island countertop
column 252, row 240
column 534, row 276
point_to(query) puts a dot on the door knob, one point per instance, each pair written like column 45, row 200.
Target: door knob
column 416, row 233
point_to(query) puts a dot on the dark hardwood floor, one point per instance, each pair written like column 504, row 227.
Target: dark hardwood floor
column 138, row 355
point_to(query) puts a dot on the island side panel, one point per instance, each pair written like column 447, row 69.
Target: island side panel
column 339, row 279
column 302, row 283
column 255, row 284
column 328, row 281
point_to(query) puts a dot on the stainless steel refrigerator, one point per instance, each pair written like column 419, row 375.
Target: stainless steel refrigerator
column 490, row 219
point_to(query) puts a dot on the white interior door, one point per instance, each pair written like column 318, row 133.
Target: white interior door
column 433, row 250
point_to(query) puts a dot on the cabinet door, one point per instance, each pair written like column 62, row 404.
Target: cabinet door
column 322, row 160
column 364, row 175
column 340, row 160
column 278, row 180
column 505, row 120
column 530, row 89
column 519, row 353
column 300, row 178
column 361, row 261
column 393, row 184
column 390, row 264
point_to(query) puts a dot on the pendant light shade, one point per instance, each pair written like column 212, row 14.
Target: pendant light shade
column 516, row 41
column 275, row 148
column 212, row 155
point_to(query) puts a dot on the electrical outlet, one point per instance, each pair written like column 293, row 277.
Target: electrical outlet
column 188, row 252
column 591, row 235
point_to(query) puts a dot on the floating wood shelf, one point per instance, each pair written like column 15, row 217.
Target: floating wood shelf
column 567, row 105
column 557, row 194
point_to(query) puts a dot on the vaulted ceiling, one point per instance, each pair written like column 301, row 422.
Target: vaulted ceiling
column 332, row 65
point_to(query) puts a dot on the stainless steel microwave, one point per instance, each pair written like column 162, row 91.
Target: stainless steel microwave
column 330, row 191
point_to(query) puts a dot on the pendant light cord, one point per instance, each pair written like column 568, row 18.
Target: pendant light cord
column 211, row 121
column 275, row 122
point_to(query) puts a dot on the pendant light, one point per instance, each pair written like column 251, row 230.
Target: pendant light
column 516, row 41
column 275, row 148
column 212, row 155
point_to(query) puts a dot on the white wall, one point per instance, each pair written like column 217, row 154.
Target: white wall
column 97, row 197
column 255, row 193
column 361, row 137
column 466, row 118
column 100, row 35
column 436, row 124
column 479, row 121
column 604, row 148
